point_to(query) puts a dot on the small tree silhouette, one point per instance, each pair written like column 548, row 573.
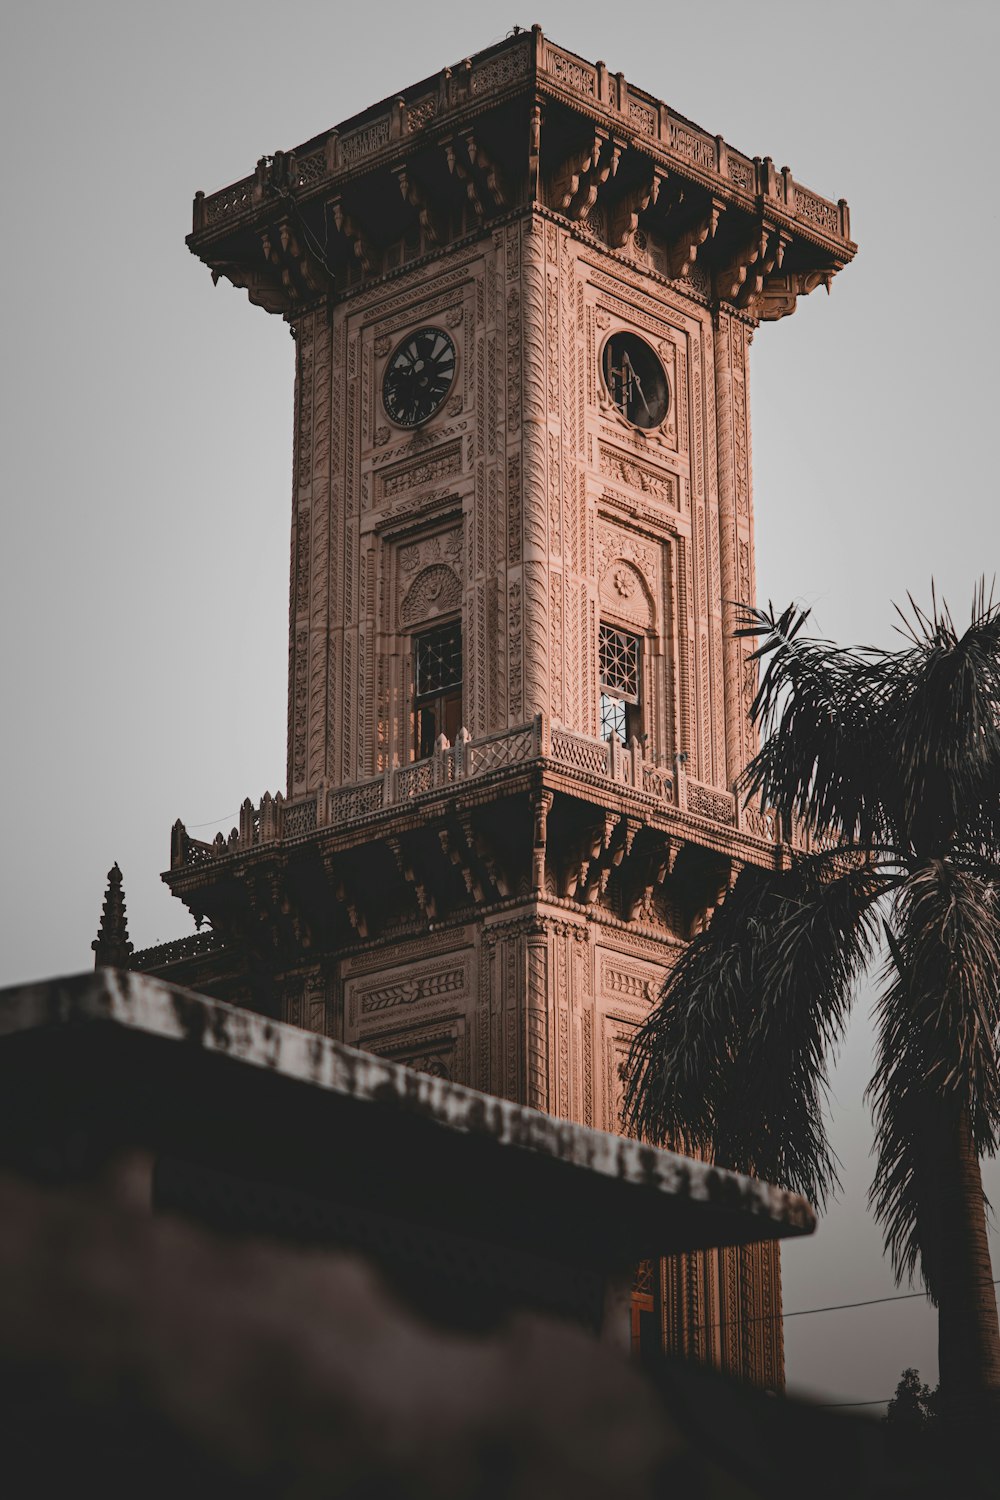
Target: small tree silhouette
column 914, row 1406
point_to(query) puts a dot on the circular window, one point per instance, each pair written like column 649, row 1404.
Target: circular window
column 418, row 376
column 636, row 381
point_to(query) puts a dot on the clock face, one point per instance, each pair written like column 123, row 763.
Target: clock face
column 636, row 380
column 418, row 376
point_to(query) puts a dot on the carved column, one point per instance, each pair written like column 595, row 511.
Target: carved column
column 736, row 525
column 536, row 1018
column 301, row 562
column 534, row 416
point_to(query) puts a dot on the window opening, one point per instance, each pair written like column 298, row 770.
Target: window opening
column 620, row 684
column 438, row 679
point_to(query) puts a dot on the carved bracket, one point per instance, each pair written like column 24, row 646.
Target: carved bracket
column 492, row 176
column 260, row 286
column 624, row 216
column 480, row 846
column 574, row 186
column 649, row 873
column 601, row 850
column 780, row 294
column 741, row 276
column 352, row 232
column 454, row 847
column 278, row 919
column 471, row 164
column 283, row 250
column 345, row 896
column 773, row 247
column 422, row 893
column 417, row 198
column 684, row 248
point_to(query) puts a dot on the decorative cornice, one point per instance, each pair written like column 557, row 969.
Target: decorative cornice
column 525, row 126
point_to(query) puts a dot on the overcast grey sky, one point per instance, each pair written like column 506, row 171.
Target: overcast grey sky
column 147, row 426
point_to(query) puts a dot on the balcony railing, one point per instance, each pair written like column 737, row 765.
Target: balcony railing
column 601, row 761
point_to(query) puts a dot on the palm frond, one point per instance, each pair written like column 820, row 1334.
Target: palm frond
column 942, row 720
column 938, row 1046
column 732, row 1063
column 816, row 707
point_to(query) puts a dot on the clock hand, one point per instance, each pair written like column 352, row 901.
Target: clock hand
column 642, row 398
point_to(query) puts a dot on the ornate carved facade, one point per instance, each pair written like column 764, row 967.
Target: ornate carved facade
column 560, row 533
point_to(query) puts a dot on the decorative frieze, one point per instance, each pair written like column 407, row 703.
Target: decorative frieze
column 441, row 984
column 571, row 70
column 413, row 989
column 361, row 143
column 655, row 482
column 691, row 144
column 420, row 471
column 621, row 981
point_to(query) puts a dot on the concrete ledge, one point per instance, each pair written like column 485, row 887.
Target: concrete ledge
column 471, row 1205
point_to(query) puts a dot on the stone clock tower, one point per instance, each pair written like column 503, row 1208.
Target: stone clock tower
column 523, row 294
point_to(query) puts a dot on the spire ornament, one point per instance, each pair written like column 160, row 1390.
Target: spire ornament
column 112, row 949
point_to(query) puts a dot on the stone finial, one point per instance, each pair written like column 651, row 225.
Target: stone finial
column 112, row 949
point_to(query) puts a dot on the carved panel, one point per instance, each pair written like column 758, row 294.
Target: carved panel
column 616, row 544
column 625, row 982
column 436, row 590
column 617, row 1036
column 361, row 143
column 442, row 985
column 419, row 471
column 413, row 989
column 707, row 802
column 817, row 211
column 625, row 594
column 655, row 482
column 643, row 116
column 506, row 68
column 421, row 112
column 691, row 143
column 441, row 547
column 515, row 698
column 570, row 70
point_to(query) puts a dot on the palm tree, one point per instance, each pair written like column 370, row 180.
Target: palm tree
column 890, row 760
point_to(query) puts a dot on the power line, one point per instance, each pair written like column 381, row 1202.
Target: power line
column 803, row 1312
column 829, row 1405
column 212, row 821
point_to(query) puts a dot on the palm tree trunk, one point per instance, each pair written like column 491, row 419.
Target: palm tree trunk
column 968, row 1329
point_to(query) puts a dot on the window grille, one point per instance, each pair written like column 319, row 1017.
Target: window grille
column 619, row 657
column 438, row 695
column 439, row 659
column 620, row 680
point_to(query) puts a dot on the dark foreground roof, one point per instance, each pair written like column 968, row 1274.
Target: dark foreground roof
column 102, row 1062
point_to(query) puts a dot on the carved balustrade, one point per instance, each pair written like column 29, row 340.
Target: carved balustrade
column 540, row 740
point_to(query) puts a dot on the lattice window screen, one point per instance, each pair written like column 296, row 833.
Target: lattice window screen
column 439, row 659
column 619, row 657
